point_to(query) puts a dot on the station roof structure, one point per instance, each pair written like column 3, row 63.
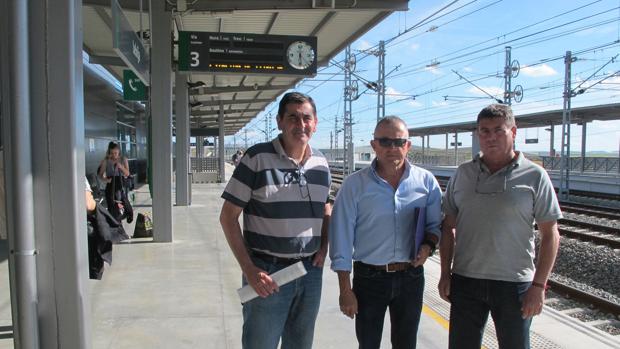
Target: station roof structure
column 605, row 112
column 335, row 23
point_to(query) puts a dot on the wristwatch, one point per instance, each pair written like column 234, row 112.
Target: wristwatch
column 430, row 244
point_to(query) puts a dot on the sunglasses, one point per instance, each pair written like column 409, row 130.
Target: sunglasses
column 299, row 176
column 391, row 142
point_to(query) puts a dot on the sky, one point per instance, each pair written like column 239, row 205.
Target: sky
column 469, row 38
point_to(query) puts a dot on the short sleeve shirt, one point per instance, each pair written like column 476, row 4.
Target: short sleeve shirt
column 495, row 216
column 283, row 202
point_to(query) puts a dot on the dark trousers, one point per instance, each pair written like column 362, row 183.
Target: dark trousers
column 115, row 191
column 471, row 302
column 378, row 290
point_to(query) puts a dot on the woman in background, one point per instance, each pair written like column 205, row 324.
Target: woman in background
column 113, row 168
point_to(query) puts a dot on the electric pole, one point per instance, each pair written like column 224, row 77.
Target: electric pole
column 381, row 81
column 566, row 119
column 511, row 71
column 350, row 93
column 336, row 137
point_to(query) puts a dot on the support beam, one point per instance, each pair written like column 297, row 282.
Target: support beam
column 475, row 144
column 551, row 140
column 54, row 36
column 229, row 111
column 16, row 139
column 161, row 99
column 583, row 145
column 230, row 89
column 220, row 138
column 253, row 5
column 456, row 148
column 182, row 140
column 210, row 103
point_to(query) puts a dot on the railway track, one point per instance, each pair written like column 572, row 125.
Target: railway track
column 585, row 297
column 590, row 210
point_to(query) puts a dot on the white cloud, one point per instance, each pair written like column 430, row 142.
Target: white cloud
column 364, row 45
column 433, row 70
column 468, row 69
column 393, row 94
column 538, row 70
column 492, row 90
column 615, row 80
column 414, row 46
column 415, row 104
column 439, row 103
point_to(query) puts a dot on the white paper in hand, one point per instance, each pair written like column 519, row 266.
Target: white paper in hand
column 280, row 277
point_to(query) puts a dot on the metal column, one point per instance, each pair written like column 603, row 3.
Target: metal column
column 349, row 94
column 15, row 80
column 475, row 143
column 381, row 82
column 583, row 145
column 182, row 139
column 508, row 78
column 220, row 139
column 57, row 157
column 456, row 148
column 566, row 120
column 161, row 99
column 551, row 140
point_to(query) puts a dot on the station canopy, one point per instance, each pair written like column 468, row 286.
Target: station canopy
column 605, row 112
column 335, row 23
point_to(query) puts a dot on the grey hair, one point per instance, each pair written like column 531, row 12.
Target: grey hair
column 391, row 120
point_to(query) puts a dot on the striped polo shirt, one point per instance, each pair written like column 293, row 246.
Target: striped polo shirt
column 282, row 201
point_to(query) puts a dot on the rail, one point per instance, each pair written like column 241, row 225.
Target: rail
column 598, row 302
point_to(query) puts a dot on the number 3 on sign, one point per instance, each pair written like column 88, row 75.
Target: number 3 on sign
column 195, row 61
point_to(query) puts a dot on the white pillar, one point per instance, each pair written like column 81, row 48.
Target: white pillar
column 220, row 138
column 161, row 107
column 182, row 139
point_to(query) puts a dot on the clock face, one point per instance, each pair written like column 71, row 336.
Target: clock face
column 300, row 55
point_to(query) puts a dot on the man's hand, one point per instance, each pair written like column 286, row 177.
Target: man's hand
column 319, row 257
column 532, row 302
column 423, row 254
column 444, row 287
column 348, row 303
column 260, row 281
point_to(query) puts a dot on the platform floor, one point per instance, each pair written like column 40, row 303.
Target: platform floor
column 182, row 295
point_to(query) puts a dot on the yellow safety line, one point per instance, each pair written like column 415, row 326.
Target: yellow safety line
column 438, row 318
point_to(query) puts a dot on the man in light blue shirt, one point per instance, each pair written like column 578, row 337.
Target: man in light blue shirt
column 386, row 218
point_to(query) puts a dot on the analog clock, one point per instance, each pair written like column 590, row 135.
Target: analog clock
column 300, row 55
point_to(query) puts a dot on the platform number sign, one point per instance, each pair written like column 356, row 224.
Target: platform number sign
column 247, row 53
column 133, row 88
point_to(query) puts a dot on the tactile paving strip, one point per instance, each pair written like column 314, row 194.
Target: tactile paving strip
column 441, row 307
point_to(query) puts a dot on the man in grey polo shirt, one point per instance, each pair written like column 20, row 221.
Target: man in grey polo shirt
column 281, row 187
column 487, row 245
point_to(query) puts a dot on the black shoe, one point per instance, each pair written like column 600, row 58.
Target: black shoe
column 130, row 218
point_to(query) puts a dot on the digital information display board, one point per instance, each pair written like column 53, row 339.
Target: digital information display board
column 247, row 53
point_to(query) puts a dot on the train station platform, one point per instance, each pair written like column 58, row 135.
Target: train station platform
column 183, row 295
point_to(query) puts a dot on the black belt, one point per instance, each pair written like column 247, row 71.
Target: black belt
column 389, row 268
column 278, row 260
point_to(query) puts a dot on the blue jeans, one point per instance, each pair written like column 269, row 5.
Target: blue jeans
column 289, row 314
column 472, row 300
column 376, row 290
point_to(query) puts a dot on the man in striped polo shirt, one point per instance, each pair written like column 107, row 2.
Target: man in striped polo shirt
column 282, row 188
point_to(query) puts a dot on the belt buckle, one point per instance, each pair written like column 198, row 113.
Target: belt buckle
column 387, row 269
